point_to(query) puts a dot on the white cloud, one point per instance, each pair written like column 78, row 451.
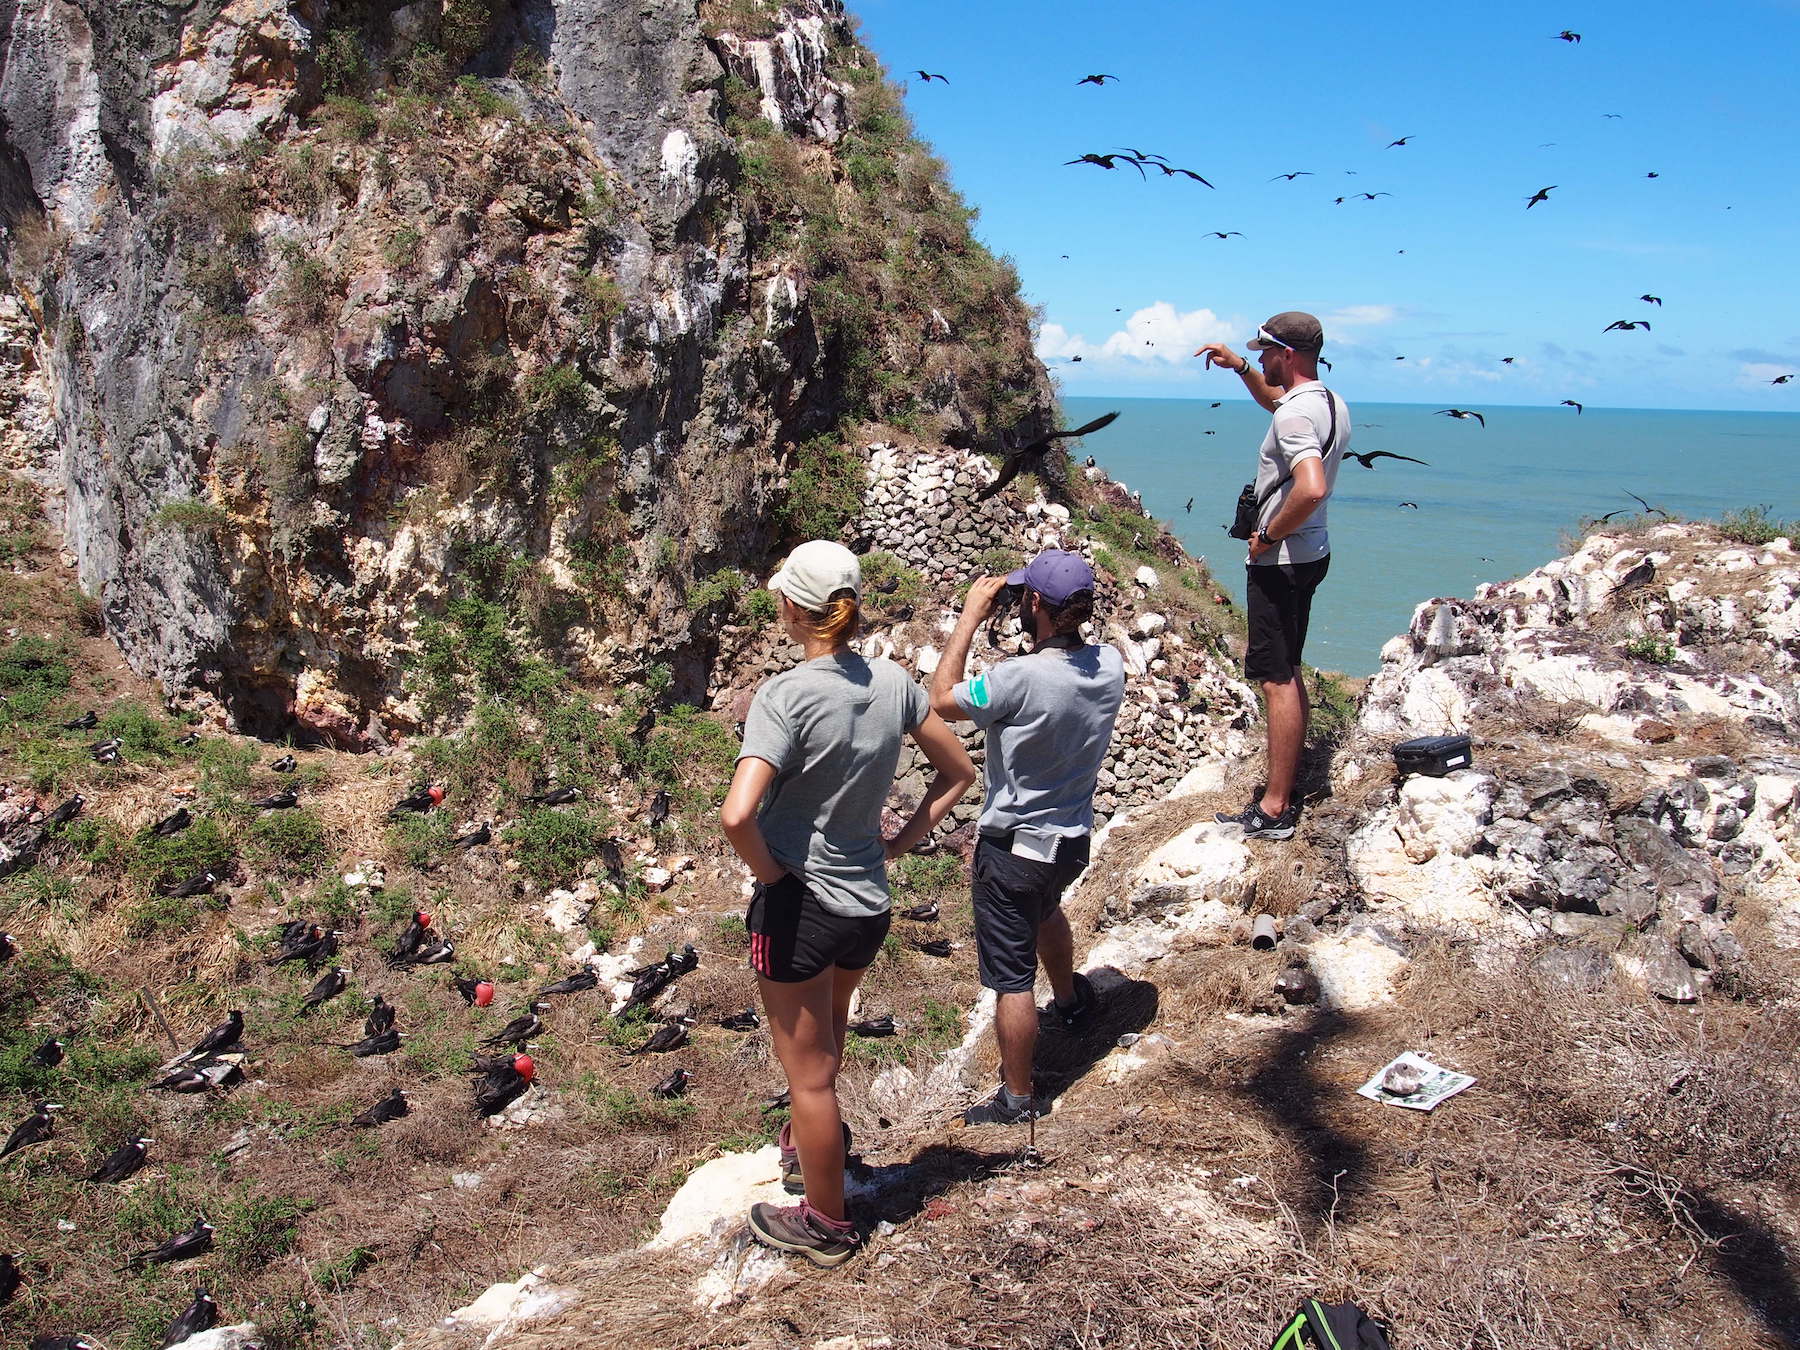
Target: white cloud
column 1157, row 337
column 1359, row 316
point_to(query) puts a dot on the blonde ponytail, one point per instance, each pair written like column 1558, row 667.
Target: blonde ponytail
column 838, row 621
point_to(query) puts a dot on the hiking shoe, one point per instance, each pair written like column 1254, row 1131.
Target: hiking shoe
column 791, row 1180
column 796, row 1228
column 1258, row 824
column 996, row 1111
column 1080, row 1009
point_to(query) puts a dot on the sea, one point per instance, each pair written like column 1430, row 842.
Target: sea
column 1492, row 502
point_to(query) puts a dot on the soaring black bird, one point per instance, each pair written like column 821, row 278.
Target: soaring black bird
column 411, row 938
column 1109, row 162
column 1189, row 508
column 63, row 814
column 1652, row 300
column 196, row 1241
column 1411, row 506
column 1571, row 403
column 330, row 985
column 173, row 823
column 671, row 1035
column 554, row 797
column 1627, row 325
column 503, row 1084
column 1781, row 379
column 1099, row 80
column 1462, row 415
column 382, row 1043
column 277, row 801
column 1223, row 234
column 1367, row 458
column 747, row 1020
column 390, row 1107
column 34, row 1129
column 926, row 77
column 286, row 764
column 1653, row 174
column 1297, row 173
column 1371, row 196
column 200, row 1315
column 874, row 1026
column 1541, row 195
column 1566, row 36
column 481, row 834
column 659, row 809
column 1170, row 170
column 49, row 1054
column 1508, row 360
column 201, row 883
column 380, row 1018
column 521, row 1029
column 221, row 1037
column 123, row 1161
column 574, row 984
column 1030, row 456
column 675, row 1085
column 9, row 1276
column 86, row 722
column 1391, row 144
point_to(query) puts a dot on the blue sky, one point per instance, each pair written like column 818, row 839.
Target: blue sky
column 1496, row 109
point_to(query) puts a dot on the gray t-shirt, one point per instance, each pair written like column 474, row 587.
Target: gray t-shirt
column 832, row 729
column 1049, row 721
column 1298, row 431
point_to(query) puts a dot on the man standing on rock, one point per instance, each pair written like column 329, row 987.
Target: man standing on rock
column 1049, row 721
column 1289, row 551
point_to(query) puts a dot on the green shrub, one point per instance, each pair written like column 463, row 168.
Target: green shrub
column 825, row 489
column 761, row 605
column 477, row 99
column 189, row 515
column 553, row 388
column 20, row 516
column 691, row 754
column 553, row 844
column 400, row 250
column 1654, row 650
column 155, row 860
column 159, row 914
column 142, row 734
column 255, row 1228
column 722, row 587
column 601, row 298
column 348, row 119
column 1754, row 525
column 292, row 841
column 879, row 569
column 34, row 673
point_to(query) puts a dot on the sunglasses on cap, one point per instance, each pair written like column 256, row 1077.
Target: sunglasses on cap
column 1264, row 338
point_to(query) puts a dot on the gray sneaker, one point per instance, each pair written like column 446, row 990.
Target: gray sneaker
column 1258, row 824
column 795, row 1229
column 996, row 1111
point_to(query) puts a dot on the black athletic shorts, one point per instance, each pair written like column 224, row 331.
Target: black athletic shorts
column 1013, row 895
column 793, row 937
column 1279, row 601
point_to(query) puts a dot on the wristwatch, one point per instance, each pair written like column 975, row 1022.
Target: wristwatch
column 1263, row 535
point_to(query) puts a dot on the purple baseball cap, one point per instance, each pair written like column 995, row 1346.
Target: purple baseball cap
column 1055, row 574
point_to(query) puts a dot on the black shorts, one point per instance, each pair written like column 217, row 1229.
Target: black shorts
column 793, row 937
column 1012, row 896
column 1279, row 601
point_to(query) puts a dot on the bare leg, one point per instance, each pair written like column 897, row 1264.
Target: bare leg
column 1056, row 950
column 1016, row 1026
column 1288, row 707
column 806, row 1026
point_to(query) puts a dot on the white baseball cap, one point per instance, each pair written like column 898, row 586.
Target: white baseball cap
column 816, row 571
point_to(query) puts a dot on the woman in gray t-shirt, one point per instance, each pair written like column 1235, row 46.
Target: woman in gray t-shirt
column 820, row 748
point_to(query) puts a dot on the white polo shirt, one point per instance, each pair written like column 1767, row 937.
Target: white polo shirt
column 1298, row 431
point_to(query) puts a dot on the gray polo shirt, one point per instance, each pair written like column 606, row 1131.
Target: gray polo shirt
column 1049, row 721
column 832, row 728
column 1298, row 432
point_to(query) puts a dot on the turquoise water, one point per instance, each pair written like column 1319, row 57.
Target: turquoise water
column 1492, row 504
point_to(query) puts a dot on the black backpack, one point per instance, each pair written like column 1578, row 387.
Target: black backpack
column 1330, row 1326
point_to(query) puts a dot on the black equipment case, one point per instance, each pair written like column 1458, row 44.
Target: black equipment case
column 1433, row 755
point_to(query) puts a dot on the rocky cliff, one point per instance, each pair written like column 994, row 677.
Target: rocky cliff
column 383, row 338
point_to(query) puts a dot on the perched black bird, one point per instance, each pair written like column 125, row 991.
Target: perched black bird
column 780, row 1101
column 61, row 1343
column 651, row 980
column 9, row 1276
column 192, row 738
column 503, row 1084
column 555, row 797
column 187, row 1081
column 381, row 1043
column 173, row 823
column 921, row 913
column 521, row 1029
column 200, row 1315
column 874, row 1026
column 123, row 1161
column 330, row 985
column 315, row 947
column 49, row 1054
column 438, row 954
column 1566, row 36
column 221, row 1037
column 107, row 751
column 86, row 722
column 747, row 1020
column 63, row 814
column 1098, row 80
column 1541, row 195
column 574, row 984
column 295, row 931
column 659, row 809
column 1297, row 173
column 670, row 1035
column 277, row 801
column 926, row 77
column 8, row 947
column 421, row 798
column 286, row 764
column 1571, row 403
column 390, row 1107
column 481, row 834
column 613, row 861
column 34, row 1129
column 1029, row 456
column 1627, row 325
column 196, row 1241
column 476, row 991
column 1367, row 458
column 380, row 1018
column 675, row 1085
column 1462, row 415
column 411, row 938
column 1637, row 578
column 1652, row 300
column 938, row 947
column 201, row 883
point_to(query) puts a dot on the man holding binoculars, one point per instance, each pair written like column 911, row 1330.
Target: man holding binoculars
column 1049, row 720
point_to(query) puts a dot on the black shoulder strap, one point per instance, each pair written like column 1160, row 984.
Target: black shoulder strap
column 1324, row 450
